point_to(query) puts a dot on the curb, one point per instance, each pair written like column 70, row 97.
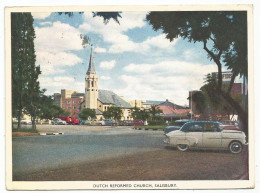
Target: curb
column 51, row 133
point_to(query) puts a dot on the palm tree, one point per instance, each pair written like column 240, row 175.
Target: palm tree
column 154, row 111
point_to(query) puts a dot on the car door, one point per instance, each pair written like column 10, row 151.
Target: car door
column 193, row 134
column 211, row 136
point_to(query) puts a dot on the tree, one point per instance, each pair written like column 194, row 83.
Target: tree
column 140, row 114
column 154, row 111
column 209, row 104
column 25, row 88
column 49, row 110
column 113, row 113
column 224, row 38
column 106, row 15
column 87, row 113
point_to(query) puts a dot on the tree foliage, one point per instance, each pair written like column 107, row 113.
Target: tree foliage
column 105, row 15
column 154, row 112
column 113, row 113
column 25, row 87
column 224, row 38
column 140, row 114
column 87, row 114
column 49, row 110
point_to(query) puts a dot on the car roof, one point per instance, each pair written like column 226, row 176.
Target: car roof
column 201, row 122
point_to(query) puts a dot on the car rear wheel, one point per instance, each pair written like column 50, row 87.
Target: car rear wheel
column 182, row 147
column 235, row 147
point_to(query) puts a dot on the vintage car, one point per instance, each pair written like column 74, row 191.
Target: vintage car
column 177, row 125
column 206, row 135
column 58, row 121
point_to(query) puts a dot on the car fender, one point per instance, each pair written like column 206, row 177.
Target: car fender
column 192, row 141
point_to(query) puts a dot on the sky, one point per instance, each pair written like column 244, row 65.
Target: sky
column 130, row 58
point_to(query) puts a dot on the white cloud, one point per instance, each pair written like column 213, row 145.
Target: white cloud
column 53, row 45
column 40, row 15
column 113, row 33
column 105, row 77
column 100, row 50
column 58, row 37
column 52, row 63
column 56, row 83
column 165, row 80
column 108, row 64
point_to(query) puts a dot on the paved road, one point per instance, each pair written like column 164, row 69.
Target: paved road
column 79, row 144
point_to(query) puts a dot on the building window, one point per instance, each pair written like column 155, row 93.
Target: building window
column 99, row 105
column 68, row 102
column 69, row 107
column 74, row 102
column 74, row 107
column 79, row 102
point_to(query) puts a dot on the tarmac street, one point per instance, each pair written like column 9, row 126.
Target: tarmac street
column 79, row 144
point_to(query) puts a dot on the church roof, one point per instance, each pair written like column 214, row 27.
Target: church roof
column 109, row 97
column 91, row 67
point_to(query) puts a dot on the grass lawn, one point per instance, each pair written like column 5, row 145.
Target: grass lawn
column 24, row 132
column 158, row 127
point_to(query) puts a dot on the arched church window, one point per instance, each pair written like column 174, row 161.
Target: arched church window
column 92, row 83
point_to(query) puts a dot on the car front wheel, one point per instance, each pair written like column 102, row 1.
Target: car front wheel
column 235, row 147
column 182, row 147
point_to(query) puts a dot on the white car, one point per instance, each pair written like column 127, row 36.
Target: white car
column 57, row 121
column 26, row 122
column 206, row 135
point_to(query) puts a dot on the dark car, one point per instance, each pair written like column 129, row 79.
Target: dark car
column 177, row 125
column 109, row 122
column 138, row 123
column 126, row 123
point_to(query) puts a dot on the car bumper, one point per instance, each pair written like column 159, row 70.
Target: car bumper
column 166, row 140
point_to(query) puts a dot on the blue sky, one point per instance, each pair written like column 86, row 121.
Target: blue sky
column 131, row 59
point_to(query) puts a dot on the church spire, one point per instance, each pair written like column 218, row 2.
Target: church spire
column 91, row 67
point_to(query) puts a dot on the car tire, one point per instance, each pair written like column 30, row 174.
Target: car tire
column 182, row 147
column 235, row 147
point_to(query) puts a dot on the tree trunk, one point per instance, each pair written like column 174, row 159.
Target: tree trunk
column 242, row 114
column 19, row 120
column 33, row 123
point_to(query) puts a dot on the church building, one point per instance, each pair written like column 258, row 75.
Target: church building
column 100, row 100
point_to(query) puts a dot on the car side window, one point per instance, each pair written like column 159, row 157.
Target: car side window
column 211, row 128
column 195, row 128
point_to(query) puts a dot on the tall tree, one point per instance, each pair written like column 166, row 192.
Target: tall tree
column 25, row 88
column 224, row 38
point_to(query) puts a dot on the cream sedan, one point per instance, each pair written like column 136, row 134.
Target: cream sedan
column 206, row 135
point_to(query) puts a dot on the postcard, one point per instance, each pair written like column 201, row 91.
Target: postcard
column 129, row 97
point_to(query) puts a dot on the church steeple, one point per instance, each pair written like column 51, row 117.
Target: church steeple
column 91, row 85
column 91, row 67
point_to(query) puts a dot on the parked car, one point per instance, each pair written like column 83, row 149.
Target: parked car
column 70, row 120
column 207, row 135
column 108, row 122
column 57, row 121
column 126, row 123
column 177, row 125
column 138, row 123
column 26, row 122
